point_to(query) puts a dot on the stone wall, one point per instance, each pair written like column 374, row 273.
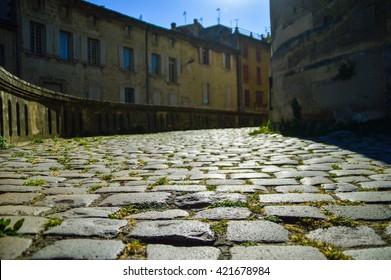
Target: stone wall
column 331, row 61
column 28, row 111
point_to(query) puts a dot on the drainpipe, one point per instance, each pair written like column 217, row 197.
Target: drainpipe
column 16, row 20
column 147, row 64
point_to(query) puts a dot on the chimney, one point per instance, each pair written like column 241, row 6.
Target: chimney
column 195, row 21
column 173, row 26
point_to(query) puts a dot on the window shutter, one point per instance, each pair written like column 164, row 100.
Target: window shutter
column 49, row 40
column 201, row 55
column 135, row 60
column 121, row 58
column 76, row 47
column 210, row 57
column 150, row 64
column 84, row 49
column 122, row 94
column 102, row 53
column 178, row 70
column 224, row 64
column 26, row 34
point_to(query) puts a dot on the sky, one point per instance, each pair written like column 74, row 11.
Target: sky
column 251, row 15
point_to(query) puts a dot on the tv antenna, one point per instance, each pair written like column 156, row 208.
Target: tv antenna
column 237, row 22
column 184, row 14
column 218, row 18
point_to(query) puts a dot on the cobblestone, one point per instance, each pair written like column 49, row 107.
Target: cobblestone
column 197, row 195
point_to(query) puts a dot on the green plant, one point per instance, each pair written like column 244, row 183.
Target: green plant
column 228, row 203
column 52, row 222
column 37, row 140
column 248, row 244
column 331, row 251
column 137, row 208
column 273, row 219
column 3, row 143
column 94, row 188
column 34, row 183
column 266, row 128
column 220, row 228
column 134, row 249
column 5, row 229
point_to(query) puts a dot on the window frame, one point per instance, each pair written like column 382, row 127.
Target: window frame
column 69, row 45
column 128, row 59
column 172, row 70
column 37, row 38
column 156, row 64
column 93, row 52
column 129, row 95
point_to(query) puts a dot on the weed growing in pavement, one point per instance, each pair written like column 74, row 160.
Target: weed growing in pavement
column 37, row 140
column 137, row 208
column 220, row 228
column 135, row 249
column 248, row 244
column 94, row 188
column 228, row 203
column 34, row 183
column 266, row 128
column 107, row 177
column 52, row 222
column 254, row 204
column 329, row 221
column 3, row 143
column 331, row 251
column 5, row 229
column 273, row 219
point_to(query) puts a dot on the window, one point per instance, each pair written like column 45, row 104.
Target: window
column 157, row 98
column 246, row 98
column 156, row 64
column 172, row 69
column 38, row 4
column 258, row 53
column 206, row 94
column 37, row 38
column 173, row 99
column 205, row 57
column 246, row 74
column 91, row 21
column 227, row 61
column 128, row 31
column 245, row 49
column 2, row 56
column 259, row 99
column 130, row 95
column 5, row 10
column 65, row 12
column 155, row 38
column 128, row 59
column 93, row 47
column 171, row 42
column 65, row 45
column 259, row 76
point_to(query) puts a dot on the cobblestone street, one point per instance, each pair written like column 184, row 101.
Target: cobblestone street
column 208, row 194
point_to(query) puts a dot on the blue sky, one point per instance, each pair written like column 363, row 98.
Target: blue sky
column 253, row 15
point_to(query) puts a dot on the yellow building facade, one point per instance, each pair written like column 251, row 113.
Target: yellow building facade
column 85, row 50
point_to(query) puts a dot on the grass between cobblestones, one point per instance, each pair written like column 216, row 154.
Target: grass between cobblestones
column 136, row 209
column 134, row 250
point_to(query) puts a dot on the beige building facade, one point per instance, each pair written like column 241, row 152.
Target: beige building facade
column 85, row 50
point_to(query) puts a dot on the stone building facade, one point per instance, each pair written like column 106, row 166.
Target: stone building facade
column 84, row 50
column 331, row 60
column 253, row 61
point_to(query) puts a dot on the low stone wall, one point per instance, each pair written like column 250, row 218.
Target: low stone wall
column 28, row 111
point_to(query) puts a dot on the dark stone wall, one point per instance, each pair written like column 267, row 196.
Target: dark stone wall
column 331, row 60
column 28, row 111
